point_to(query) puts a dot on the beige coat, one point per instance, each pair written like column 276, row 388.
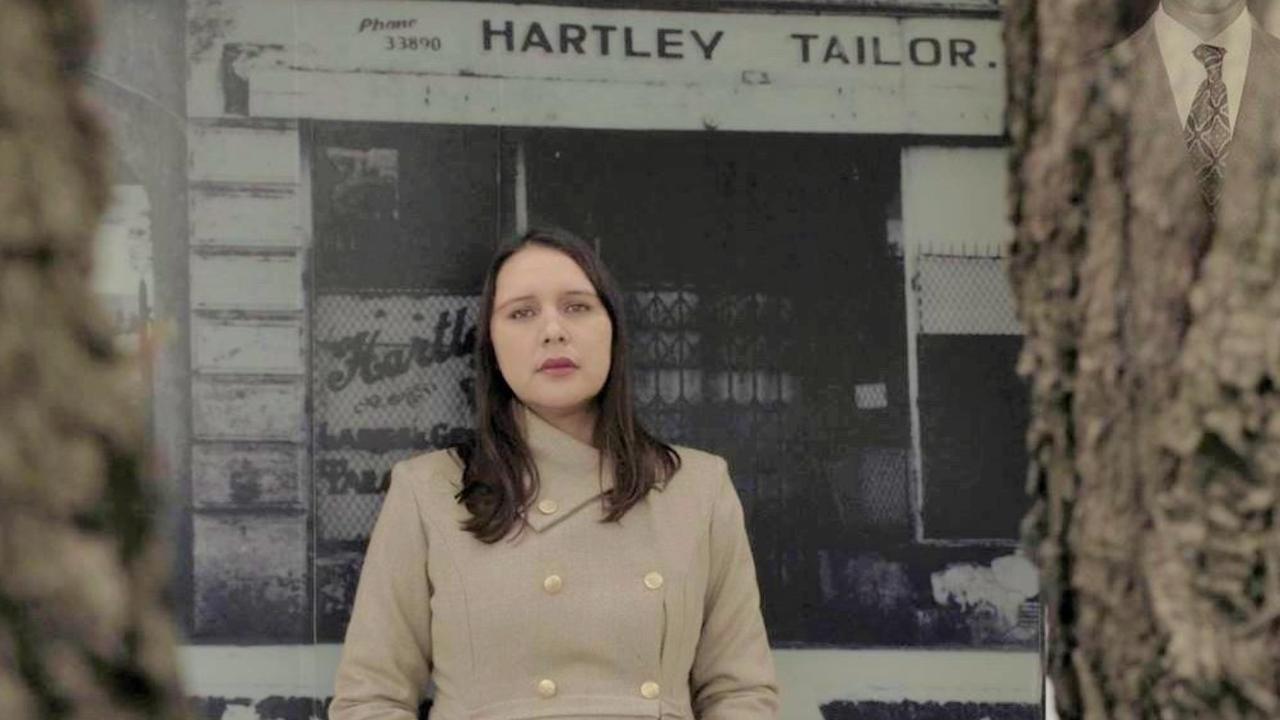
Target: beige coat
column 657, row 616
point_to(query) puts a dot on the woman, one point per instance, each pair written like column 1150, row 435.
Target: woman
column 566, row 564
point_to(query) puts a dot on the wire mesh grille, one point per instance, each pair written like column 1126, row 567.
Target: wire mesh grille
column 392, row 378
column 965, row 295
column 972, row 405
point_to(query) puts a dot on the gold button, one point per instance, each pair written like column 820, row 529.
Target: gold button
column 650, row 690
column 547, row 688
column 552, row 584
column 548, row 507
column 653, row 580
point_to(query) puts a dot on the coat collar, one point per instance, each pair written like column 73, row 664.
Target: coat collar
column 571, row 473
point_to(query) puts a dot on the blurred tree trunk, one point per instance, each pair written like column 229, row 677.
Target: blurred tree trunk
column 84, row 631
column 1153, row 351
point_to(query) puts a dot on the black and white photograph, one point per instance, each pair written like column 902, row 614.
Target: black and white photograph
column 805, row 214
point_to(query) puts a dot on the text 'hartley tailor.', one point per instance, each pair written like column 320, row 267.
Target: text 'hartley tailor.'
column 600, row 39
column 669, row 43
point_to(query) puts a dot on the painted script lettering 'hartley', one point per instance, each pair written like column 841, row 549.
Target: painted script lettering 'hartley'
column 599, row 40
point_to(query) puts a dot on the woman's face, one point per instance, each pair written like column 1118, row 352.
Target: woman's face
column 551, row 333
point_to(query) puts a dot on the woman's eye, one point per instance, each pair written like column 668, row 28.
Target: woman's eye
column 521, row 313
column 579, row 307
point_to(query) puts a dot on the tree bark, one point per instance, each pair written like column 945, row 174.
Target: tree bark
column 84, row 629
column 1153, row 353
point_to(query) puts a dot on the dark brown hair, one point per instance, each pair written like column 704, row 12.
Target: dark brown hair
column 497, row 460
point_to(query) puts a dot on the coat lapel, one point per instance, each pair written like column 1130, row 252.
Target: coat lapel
column 1252, row 140
column 1157, row 108
column 1259, row 94
column 571, row 474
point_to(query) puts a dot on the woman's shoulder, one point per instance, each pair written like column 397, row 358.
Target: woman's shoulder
column 698, row 460
column 431, row 474
column 701, row 472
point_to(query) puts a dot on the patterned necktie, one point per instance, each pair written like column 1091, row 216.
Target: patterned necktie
column 1209, row 125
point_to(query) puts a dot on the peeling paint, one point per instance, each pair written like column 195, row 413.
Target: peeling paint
column 909, row 710
column 275, row 707
column 253, row 346
column 249, row 255
column 1003, row 586
column 248, row 407
column 263, row 608
column 254, row 190
column 234, row 315
column 215, row 708
column 236, row 59
column 210, row 21
column 287, row 708
column 251, row 576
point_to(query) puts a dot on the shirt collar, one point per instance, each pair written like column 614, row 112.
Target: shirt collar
column 571, row 473
column 1178, row 43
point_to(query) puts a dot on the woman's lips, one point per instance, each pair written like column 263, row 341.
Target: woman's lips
column 558, row 366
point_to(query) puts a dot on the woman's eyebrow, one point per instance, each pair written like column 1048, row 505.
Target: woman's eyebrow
column 567, row 293
column 507, row 302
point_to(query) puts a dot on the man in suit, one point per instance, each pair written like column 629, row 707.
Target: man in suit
column 1196, row 90
column 1206, row 71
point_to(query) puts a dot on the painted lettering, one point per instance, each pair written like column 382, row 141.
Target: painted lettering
column 535, row 37
column 864, row 50
column 603, row 31
column 571, row 36
column 962, row 50
column 669, row 42
column 389, row 439
column 507, row 33
column 343, row 479
column 805, row 39
column 877, row 58
column 600, row 40
column 930, row 55
column 363, row 356
column 835, row 51
column 409, row 397
column 377, row 25
column 708, row 45
column 629, row 47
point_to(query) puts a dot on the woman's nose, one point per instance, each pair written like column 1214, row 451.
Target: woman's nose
column 552, row 332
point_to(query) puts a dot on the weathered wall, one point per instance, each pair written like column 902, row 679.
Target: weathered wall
column 142, row 91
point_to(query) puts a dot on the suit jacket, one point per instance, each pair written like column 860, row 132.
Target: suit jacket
column 1154, row 121
column 655, row 616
